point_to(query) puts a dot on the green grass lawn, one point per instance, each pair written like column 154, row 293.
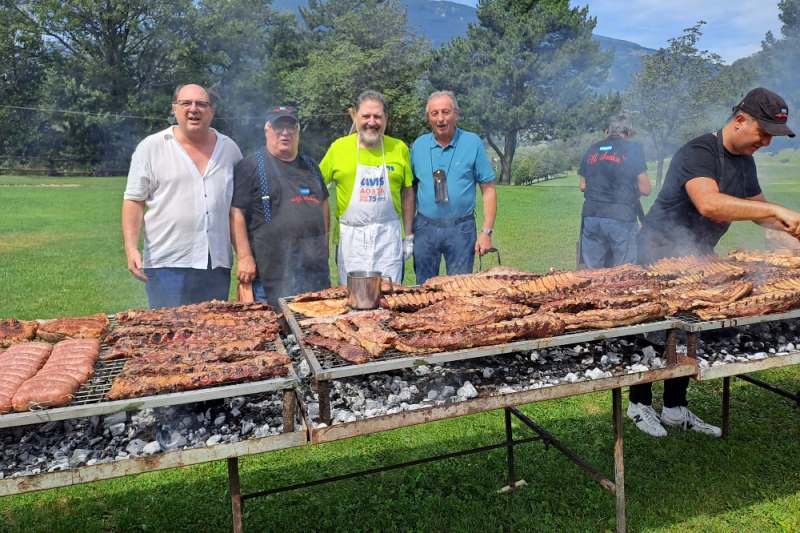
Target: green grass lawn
column 61, row 254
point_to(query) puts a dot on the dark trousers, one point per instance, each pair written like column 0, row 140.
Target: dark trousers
column 454, row 239
column 674, row 393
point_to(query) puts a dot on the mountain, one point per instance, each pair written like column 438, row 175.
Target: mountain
column 441, row 21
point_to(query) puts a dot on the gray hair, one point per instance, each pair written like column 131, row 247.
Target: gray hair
column 620, row 126
column 450, row 94
column 212, row 96
column 372, row 96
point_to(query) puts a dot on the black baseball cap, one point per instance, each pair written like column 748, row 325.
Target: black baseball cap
column 769, row 109
column 281, row 111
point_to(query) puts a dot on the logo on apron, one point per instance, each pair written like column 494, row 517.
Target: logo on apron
column 372, row 184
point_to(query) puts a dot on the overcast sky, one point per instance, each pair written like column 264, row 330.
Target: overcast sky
column 734, row 29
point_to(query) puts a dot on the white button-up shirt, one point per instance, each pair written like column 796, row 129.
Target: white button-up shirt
column 186, row 213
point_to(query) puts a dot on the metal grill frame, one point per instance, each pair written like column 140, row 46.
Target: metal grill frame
column 693, row 324
column 323, row 373
column 90, row 398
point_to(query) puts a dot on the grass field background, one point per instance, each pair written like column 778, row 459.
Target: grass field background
column 61, row 254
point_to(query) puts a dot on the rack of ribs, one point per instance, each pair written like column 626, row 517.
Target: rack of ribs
column 411, row 301
column 612, row 318
column 475, row 286
column 584, row 301
column 680, row 299
column 320, row 308
column 135, row 383
column 17, row 365
column 458, row 313
column 780, row 258
column 762, row 304
column 13, row 331
column 536, row 325
column 69, row 366
column 86, row 327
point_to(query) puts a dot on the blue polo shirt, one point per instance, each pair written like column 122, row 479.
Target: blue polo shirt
column 465, row 162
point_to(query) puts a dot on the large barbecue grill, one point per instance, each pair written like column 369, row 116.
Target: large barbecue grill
column 90, row 399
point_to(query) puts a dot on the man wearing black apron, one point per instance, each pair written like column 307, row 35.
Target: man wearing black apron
column 280, row 215
column 711, row 182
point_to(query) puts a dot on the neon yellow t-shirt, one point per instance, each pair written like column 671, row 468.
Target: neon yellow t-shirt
column 339, row 166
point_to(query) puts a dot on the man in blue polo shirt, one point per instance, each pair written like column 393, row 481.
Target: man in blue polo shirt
column 447, row 163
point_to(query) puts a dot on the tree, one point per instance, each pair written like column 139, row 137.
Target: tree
column 676, row 92
column 23, row 63
column 350, row 46
column 776, row 65
column 527, row 68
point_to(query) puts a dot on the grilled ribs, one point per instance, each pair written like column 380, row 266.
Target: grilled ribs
column 87, row 327
column 13, row 331
column 265, row 366
column 611, row 318
column 411, row 301
column 349, row 352
column 536, row 325
column 457, row 313
column 762, row 304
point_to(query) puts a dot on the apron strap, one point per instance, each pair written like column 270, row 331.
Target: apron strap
column 266, row 201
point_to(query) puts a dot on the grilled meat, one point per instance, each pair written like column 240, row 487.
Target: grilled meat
column 349, row 352
column 532, row 326
column 69, row 366
column 457, row 313
column 13, row 331
column 681, row 299
column 87, row 327
column 320, row 308
column 411, row 301
column 18, row 364
column 779, row 258
column 612, row 318
column 265, row 366
column 333, row 293
column 762, row 304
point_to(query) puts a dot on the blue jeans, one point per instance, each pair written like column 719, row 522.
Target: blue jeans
column 171, row 287
column 606, row 242
column 453, row 239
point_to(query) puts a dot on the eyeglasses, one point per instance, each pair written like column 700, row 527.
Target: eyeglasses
column 200, row 104
column 287, row 128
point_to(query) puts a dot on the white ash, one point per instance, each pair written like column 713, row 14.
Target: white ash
column 423, row 386
column 56, row 446
column 748, row 343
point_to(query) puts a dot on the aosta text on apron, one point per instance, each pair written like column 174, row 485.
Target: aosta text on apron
column 370, row 233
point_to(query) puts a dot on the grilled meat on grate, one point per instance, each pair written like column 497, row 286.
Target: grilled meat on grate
column 86, row 327
column 612, row 318
column 13, row 331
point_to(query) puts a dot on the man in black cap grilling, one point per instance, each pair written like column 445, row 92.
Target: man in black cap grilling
column 280, row 215
column 711, row 182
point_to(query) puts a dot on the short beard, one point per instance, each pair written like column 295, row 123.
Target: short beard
column 366, row 138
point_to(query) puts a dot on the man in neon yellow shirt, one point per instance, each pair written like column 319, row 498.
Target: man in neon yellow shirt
column 373, row 178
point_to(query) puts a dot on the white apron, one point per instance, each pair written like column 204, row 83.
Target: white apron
column 370, row 233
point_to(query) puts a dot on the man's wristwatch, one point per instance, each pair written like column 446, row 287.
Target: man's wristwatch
column 487, row 232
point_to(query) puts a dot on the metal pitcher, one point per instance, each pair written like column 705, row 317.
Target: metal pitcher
column 364, row 289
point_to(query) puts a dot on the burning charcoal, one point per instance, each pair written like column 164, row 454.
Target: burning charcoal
column 571, row 378
column 135, row 446
column 117, row 429
column 151, row 447
column 170, row 441
column 213, row 440
column 219, row 420
column 422, row 370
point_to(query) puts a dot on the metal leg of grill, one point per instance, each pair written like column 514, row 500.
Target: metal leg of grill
column 619, row 465
column 236, row 494
column 795, row 397
column 726, row 406
column 513, row 483
column 550, row 440
column 670, row 347
column 691, row 344
column 324, row 393
column 289, row 410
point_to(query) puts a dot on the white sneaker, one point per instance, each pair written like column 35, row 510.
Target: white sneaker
column 646, row 419
column 683, row 417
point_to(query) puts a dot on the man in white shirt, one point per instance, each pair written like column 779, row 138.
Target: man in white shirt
column 179, row 191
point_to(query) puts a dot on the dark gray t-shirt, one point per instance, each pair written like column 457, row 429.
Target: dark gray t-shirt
column 611, row 168
column 674, row 227
column 291, row 251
